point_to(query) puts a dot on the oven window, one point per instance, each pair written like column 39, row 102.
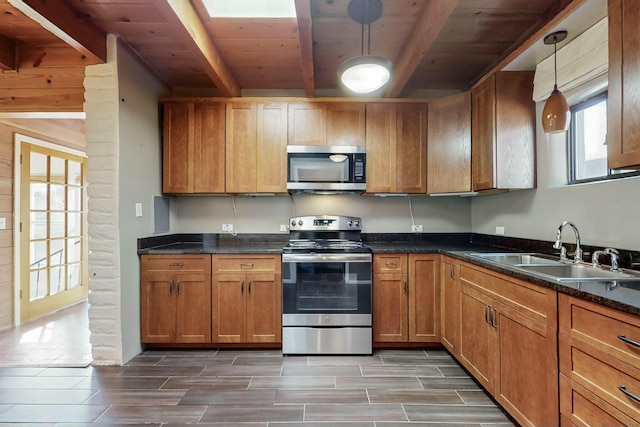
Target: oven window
column 326, row 286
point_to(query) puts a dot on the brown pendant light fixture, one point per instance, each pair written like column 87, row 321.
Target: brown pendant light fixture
column 555, row 114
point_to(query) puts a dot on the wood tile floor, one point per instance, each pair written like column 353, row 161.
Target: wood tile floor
column 45, row 380
column 392, row 388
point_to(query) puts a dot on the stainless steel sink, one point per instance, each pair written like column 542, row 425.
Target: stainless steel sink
column 553, row 269
column 578, row 272
column 516, row 258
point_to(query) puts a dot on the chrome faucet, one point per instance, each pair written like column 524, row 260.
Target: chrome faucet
column 608, row 251
column 558, row 244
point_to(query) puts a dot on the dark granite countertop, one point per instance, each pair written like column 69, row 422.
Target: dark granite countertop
column 624, row 296
column 213, row 244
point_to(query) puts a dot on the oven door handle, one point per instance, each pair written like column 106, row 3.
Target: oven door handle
column 334, row 257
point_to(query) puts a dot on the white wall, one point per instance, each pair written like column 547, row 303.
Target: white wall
column 605, row 213
column 265, row 214
column 140, row 179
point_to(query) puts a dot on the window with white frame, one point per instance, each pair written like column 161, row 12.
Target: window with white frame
column 588, row 142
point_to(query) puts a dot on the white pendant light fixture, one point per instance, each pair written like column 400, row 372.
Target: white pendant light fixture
column 365, row 73
column 555, row 114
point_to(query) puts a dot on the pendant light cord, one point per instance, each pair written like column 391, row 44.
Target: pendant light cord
column 555, row 63
column 366, row 4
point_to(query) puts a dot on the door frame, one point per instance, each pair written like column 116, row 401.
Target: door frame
column 17, row 197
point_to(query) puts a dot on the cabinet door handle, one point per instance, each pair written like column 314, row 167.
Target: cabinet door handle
column 179, row 287
column 486, row 314
column 242, row 287
column 171, row 287
column 628, row 393
column 246, row 264
column 404, row 288
column 390, row 263
column 628, row 341
column 493, row 319
column 453, row 276
column 249, row 286
column 177, row 264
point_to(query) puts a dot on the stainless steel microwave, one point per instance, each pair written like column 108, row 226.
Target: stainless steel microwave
column 326, row 169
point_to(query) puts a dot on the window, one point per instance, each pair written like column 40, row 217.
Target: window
column 588, row 142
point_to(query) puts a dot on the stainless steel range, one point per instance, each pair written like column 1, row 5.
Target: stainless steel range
column 326, row 287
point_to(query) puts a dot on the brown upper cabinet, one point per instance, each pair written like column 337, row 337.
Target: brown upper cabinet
column 623, row 121
column 396, row 135
column 326, row 123
column 307, row 123
column 345, row 123
column 449, row 146
column 503, row 132
column 256, row 147
column 194, row 148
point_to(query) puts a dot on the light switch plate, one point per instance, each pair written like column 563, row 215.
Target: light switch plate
column 3, row 223
column 500, row 231
column 138, row 210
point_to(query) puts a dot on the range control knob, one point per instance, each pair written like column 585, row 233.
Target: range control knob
column 293, row 223
column 300, row 222
column 350, row 223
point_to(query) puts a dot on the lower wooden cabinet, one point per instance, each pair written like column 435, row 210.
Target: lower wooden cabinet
column 182, row 302
column 599, row 364
column 450, row 304
column 406, row 298
column 247, row 299
column 508, row 342
column 175, row 299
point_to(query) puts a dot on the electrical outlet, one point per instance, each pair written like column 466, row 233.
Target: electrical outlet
column 500, row 231
column 284, row 228
column 416, row 228
column 227, row 227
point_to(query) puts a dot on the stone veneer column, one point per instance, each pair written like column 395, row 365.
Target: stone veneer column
column 102, row 132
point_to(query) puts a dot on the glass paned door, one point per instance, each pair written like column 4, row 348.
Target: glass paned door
column 53, row 220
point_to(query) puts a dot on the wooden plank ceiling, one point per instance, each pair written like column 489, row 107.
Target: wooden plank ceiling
column 434, row 44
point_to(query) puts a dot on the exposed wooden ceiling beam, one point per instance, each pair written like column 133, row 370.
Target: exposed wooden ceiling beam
column 7, row 54
column 62, row 20
column 305, row 35
column 433, row 18
column 560, row 11
column 194, row 34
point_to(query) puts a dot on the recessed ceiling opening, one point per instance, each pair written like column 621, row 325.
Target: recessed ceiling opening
column 250, row 8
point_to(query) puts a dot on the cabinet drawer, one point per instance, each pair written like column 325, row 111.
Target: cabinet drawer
column 247, row 264
column 176, row 263
column 606, row 377
column 390, row 263
column 533, row 300
column 580, row 407
column 611, row 331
